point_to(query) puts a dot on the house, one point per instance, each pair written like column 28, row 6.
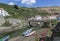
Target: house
column 52, row 17
column 3, row 12
column 38, row 18
column 35, row 21
column 45, row 18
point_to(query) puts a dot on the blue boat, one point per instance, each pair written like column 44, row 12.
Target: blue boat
column 6, row 38
column 28, row 31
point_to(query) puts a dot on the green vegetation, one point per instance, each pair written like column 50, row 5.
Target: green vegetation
column 22, row 12
column 48, row 39
column 46, row 25
column 6, row 24
column 54, row 22
column 1, row 39
column 13, row 33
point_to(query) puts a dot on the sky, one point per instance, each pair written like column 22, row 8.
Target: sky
column 32, row 3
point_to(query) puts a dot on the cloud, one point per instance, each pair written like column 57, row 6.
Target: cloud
column 17, row 0
column 11, row 3
column 28, row 2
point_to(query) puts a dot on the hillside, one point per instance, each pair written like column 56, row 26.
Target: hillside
column 7, row 7
column 22, row 12
column 16, row 13
column 10, row 9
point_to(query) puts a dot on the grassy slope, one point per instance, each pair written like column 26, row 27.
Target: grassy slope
column 22, row 11
column 7, row 7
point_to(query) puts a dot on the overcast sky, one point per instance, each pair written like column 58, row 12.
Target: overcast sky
column 32, row 3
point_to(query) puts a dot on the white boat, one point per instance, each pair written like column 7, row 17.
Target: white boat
column 30, row 34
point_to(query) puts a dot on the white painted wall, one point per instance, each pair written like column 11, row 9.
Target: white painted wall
column 38, row 18
column 3, row 13
column 52, row 17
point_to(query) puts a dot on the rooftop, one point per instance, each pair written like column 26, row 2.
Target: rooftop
column 1, row 9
